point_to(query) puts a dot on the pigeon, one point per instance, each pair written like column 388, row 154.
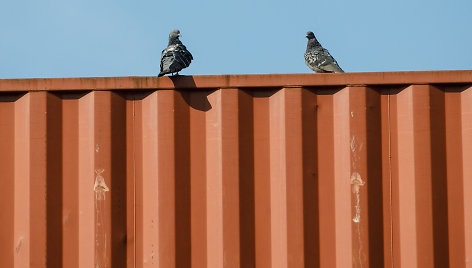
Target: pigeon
column 318, row 58
column 175, row 56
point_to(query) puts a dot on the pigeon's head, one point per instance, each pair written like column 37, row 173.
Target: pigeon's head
column 174, row 34
column 310, row 35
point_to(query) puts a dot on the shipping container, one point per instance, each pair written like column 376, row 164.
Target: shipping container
column 287, row 170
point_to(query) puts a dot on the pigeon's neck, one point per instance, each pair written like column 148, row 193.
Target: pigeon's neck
column 174, row 41
column 312, row 43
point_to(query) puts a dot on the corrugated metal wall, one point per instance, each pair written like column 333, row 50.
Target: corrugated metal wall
column 336, row 170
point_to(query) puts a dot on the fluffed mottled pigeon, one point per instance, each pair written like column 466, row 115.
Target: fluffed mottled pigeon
column 318, row 58
column 176, row 56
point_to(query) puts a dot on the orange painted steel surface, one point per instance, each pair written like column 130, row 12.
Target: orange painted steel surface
column 295, row 170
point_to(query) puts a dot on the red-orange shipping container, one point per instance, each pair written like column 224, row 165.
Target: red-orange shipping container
column 291, row 170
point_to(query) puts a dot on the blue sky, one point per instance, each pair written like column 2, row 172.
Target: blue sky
column 66, row 38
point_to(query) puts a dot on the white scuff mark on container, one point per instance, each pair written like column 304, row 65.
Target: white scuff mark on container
column 359, row 253
column 66, row 217
column 100, row 188
column 356, row 148
column 97, row 148
column 352, row 114
column 18, row 245
column 357, row 182
column 353, row 144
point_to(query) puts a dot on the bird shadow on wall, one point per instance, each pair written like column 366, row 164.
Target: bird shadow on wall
column 196, row 98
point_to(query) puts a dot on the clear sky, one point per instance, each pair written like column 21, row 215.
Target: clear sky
column 66, row 38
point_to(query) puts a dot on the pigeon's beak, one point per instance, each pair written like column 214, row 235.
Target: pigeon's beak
column 179, row 35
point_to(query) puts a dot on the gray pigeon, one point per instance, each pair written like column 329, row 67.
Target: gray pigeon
column 176, row 56
column 318, row 58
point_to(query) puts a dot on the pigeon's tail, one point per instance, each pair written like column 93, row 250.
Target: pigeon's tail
column 161, row 74
column 338, row 69
column 332, row 68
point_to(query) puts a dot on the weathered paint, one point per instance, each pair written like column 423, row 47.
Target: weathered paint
column 302, row 170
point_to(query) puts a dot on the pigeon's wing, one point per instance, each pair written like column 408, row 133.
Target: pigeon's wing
column 183, row 56
column 175, row 58
column 319, row 60
column 311, row 60
column 182, row 49
column 165, row 58
column 327, row 62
